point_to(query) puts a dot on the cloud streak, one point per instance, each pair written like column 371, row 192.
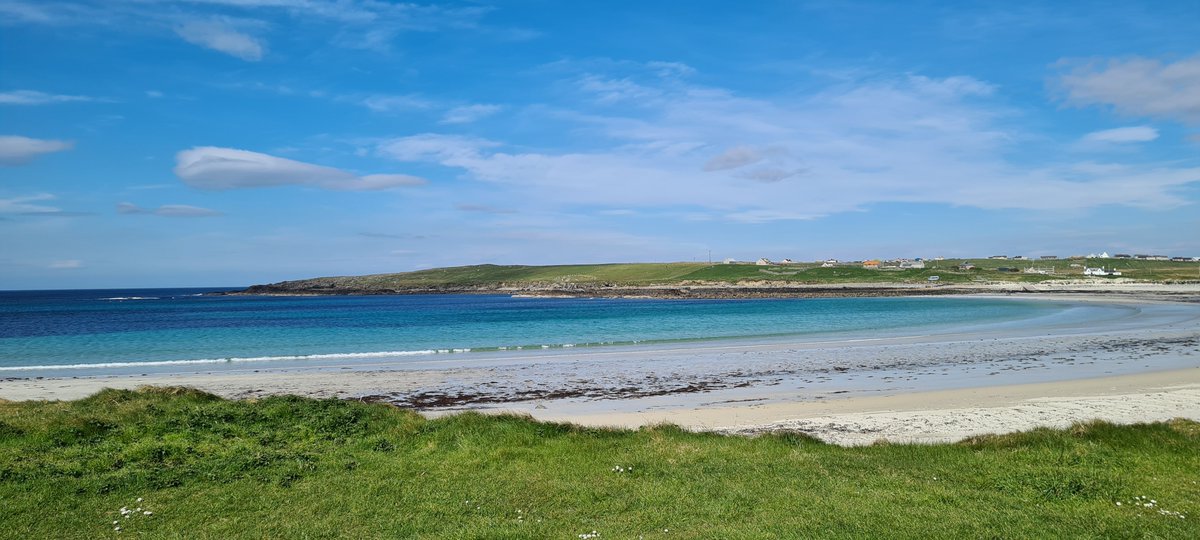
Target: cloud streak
column 34, row 97
column 216, row 168
column 1123, row 135
column 19, row 150
column 167, row 210
column 221, row 37
column 469, row 113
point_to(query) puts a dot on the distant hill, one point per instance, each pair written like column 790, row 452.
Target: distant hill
column 624, row 279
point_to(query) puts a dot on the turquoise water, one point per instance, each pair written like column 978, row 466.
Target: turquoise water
column 108, row 328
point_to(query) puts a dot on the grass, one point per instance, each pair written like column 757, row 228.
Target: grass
column 645, row 274
column 289, row 467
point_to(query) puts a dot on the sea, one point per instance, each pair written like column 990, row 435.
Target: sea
column 87, row 331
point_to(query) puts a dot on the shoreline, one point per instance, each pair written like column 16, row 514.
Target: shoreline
column 1183, row 291
column 924, row 388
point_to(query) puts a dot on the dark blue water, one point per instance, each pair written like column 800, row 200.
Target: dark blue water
column 113, row 327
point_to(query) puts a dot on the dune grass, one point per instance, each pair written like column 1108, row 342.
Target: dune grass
column 289, row 467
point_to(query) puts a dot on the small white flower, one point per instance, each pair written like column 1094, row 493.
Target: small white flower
column 148, row 513
column 139, row 499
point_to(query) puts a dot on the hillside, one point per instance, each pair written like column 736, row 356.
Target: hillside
column 704, row 279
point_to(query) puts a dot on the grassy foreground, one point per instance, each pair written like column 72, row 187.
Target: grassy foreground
column 290, row 467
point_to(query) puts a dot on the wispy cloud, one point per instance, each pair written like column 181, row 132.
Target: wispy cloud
column 34, row 97
column 1136, row 86
column 909, row 139
column 68, row 264
column 167, row 210
column 392, row 103
column 220, row 36
column 18, row 150
column 215, row 168
column 469, row 113
column 23, row 205
column 1122, row 135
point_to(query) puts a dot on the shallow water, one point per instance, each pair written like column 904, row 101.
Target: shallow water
column 86, row 330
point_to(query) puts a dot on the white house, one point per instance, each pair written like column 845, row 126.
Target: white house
column 764, row 262
column 1100, row 272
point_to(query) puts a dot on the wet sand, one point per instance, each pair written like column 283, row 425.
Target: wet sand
column 1124, row 361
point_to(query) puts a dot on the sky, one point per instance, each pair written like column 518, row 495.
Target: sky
column 149, row 143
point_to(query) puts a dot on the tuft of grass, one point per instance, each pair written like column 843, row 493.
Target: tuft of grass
column 290, row 467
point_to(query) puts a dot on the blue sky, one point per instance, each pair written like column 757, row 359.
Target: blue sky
column 231, row 142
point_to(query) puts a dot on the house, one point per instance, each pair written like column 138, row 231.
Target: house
column 829, row 263
column 966, row 266
column 730, row 260
column 1100, row 272
column 1048, row 257
column 787, row 261
column 1181, row 259
column 871, row 264
column 912, row 265
column 1121, row 256
column 764, row 262
column 1020, row 258
column 999, row 257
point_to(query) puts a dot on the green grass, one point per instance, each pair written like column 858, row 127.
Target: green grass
column 289, row 467
column 644, row 274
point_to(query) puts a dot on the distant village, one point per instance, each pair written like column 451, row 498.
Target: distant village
column 1073, row 261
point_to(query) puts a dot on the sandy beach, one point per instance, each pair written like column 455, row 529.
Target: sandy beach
column 1120, row 360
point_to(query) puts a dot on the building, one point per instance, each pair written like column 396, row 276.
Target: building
column 829, row 263
column 999, row 257
column 1100, row 272
column 966, row 266
column 764, row 262
column 787, row 261
column 1048, row 257
column 871, row 264
column 912, row 265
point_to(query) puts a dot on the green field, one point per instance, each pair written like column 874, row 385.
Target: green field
column 648, row 274
column 289, row 467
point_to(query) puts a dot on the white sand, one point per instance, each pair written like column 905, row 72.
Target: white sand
column 948, row 415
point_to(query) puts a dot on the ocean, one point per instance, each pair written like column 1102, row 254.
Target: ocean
column 90, row 330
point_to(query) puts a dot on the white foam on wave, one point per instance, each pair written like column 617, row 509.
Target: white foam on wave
column 122, row 298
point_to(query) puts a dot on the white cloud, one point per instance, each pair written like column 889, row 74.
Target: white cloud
column 167, row 210
column 34, row 97
column 910, row 139
column 66, row 264
column 1122, row 135
column 214, row 168
column 221, row 37
column 1137, row 86
column 390, row 103
column 469, row 113
column 21, row 205
column 18, row 150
